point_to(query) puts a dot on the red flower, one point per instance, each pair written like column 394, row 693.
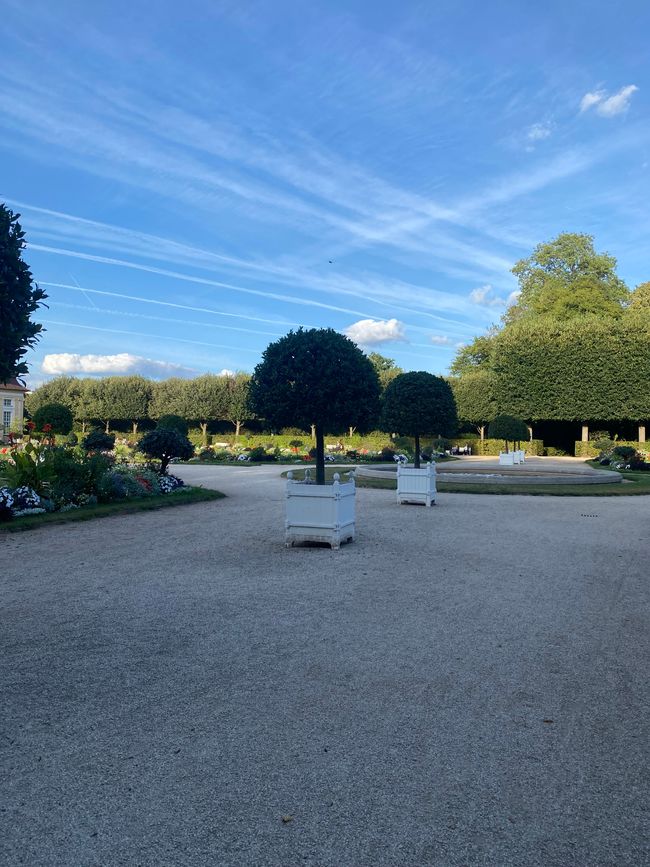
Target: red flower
column 30, row 425
column 47, row 428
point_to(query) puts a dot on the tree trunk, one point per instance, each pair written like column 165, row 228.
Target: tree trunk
column 481, row 430
column 320, row 456
column 351, row 430
column 237, row 428
column 641, row 433
column 506, row 442
column 313, row 433
column 107, row 426
column 417, row 451
column 204, row 430
column 530, row 432
column 134, row 426
column 83, row 427
column 585, row 433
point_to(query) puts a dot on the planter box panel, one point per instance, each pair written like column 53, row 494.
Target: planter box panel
column 416, row 485
column 320, row 513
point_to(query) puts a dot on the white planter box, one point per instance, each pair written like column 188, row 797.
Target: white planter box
column 507, row 459
column 522, row 456
column 320, row 513
column 416, row 486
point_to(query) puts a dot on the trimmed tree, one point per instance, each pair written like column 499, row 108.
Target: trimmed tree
column 19, row 298
column 419, row 403
column 165, row 444
column 58, row 416
column 236, row 407
column 173, row 422
column 315, row 377
column 507, row 428
column 98, row 441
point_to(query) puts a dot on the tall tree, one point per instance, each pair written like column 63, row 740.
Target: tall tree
column 474, row 393
column 19, row 298
column 565, row 278
column 236, row 399
column 317, row 377
column 386, row 368
column 209, row 400
column 640, row 298
column 61, row 389
column 127, row 398
column 418, row 403
column 171, row 396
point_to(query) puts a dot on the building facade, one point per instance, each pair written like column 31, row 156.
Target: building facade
column 12, row 403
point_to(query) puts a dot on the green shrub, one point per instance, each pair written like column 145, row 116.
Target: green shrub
column 589, row 449
column 259, row 454
column 173, row 422
column 57, row 415
column 387, row 454
column 72, row 439
column 165, row 445
column 625, row 452
column 98, row 441
column 552, row 452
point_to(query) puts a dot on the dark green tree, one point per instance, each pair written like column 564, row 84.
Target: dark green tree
column 315, row 377
column 165, row 444
column 57, row 415
column 419, row 403
column 507, row 428
column 98, row 441
column 19, row 298
column 173, row 422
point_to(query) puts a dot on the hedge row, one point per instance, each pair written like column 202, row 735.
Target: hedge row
column 590, row 450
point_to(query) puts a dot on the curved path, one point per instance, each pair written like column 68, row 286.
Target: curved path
column 463, row 685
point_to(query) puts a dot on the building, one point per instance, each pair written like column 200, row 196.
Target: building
column 12, row 403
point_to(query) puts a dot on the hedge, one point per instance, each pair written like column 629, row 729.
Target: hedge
column 590, row 450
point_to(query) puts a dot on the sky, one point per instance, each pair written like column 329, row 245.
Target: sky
column 196, row 180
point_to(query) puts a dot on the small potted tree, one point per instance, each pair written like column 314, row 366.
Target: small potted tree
column 510, row 430
column 415, row 404
column 316, row 377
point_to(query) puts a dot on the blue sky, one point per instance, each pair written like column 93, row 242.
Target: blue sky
column 195, row 180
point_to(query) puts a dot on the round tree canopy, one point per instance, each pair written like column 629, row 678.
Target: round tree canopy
column 315, row 376
column 56, row 415
column 419, row 403
column 508, row 428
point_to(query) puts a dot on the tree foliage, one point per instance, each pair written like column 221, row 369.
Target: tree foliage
column 173, row 422
column 236, row 408
column 57, row 415
column 640, row 298
column 565, row 278
column 386, row 368
column 319, row 377
column 98, row 441
column 19, row 298
column 475, row 396
column 507, row 428
column 419, row 403
column 165, row 444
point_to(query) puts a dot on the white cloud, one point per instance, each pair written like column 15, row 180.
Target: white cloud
column 484, row 296
column 608, row 106
column 123, row 363
column 226, row 372
column 370, row 332
column 441, row 340
column 538, row 131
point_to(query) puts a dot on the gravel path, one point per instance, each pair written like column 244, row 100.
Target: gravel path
column 463, row 685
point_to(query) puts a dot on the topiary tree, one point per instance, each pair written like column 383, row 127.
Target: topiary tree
column 419, row 403
column 165, row 444
column 315, row 377
column 58, row 416
column 173, row 422
column 19, row 298
column 98, row 441
column 507, row 428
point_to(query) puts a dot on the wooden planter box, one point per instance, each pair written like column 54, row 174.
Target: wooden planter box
column 320, row 513
column 416, row 486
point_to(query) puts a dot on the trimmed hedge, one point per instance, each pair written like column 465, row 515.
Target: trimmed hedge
column 589, row 449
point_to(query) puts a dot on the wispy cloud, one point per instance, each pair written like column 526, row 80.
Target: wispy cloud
column 441, row 340
column 485, row 296
column 539, row 131
column 55, row 364
column 608, row 106
column 373, row 332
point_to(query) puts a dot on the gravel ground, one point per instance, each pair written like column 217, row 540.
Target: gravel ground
column 463, row 685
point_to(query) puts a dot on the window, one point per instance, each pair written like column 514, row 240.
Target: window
column 6, row 418
column 8, row 401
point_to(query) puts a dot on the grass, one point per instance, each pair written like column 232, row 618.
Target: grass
column 105, row 510
column 637, row 484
